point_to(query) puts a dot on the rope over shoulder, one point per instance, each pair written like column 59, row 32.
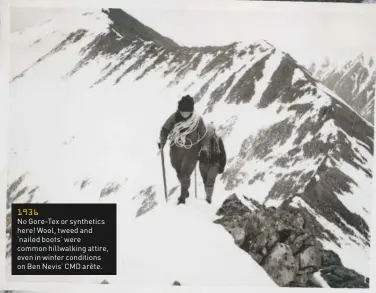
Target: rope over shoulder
column 178, row 135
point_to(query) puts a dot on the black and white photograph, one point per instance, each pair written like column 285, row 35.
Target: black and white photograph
column 237, row 143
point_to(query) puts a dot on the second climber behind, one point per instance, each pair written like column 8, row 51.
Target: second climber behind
column 187, row 132
column 212, row 159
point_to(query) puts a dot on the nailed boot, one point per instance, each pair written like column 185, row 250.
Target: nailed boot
column 181, row 200
column 184, row 193
column 182, row 197
column 209, row 194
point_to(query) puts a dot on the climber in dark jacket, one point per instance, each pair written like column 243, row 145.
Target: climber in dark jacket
column 212, row 160
column 187, row 133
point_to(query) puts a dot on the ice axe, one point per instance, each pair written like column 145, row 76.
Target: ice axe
column 163, row 170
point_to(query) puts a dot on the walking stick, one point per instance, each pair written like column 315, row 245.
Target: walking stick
column 164, row 174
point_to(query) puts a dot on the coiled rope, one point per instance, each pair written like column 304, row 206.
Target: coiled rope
column 178, row 135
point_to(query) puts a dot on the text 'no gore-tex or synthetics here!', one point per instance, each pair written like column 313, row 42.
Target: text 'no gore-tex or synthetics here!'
column 64, row 239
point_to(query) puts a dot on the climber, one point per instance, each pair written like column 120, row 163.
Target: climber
column 212, row 160
column 187, row 132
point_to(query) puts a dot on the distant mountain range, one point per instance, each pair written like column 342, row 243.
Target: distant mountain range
column 354, row 81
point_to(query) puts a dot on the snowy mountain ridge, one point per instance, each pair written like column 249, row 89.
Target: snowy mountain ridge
column 354, row 81
column 289, row 141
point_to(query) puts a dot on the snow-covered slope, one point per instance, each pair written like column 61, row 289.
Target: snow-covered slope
column 354, row 81
column 93, row 93
column 185, row 247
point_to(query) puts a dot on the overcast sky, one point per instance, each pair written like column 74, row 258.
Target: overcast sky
column 305, row 33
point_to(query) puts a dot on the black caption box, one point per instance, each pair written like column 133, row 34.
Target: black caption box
column 63, row 239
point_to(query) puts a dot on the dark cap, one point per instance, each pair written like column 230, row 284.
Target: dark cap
column 186, row 104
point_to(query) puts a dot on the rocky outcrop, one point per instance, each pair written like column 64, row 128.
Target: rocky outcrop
column 110, row 187
column 330, row 258
column 278, row 239
column 148, row 196
column 338, row 276
column 280, row 264
column 341, row 277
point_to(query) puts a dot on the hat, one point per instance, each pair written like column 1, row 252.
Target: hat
column 210, row 127
column 186, row 104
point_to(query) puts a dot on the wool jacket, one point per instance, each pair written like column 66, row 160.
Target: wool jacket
column 216, row 153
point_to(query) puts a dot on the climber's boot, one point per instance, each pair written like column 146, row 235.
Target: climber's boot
column 184, row 193
column 209, row 194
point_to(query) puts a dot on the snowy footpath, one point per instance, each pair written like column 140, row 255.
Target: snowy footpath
column 181, row 243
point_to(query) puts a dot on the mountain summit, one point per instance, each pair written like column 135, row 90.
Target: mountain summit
column 130, row 29
column 88, row 133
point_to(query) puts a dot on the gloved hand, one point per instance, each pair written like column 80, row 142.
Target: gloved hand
column 160, row 145
column 204, row 151
column 203, row 155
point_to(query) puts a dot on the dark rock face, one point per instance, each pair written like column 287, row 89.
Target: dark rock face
column 341, row 277
column 281, row 85
column 279, row 239
column 330, row 258
column 84, row 183
column 338, row 276
column 244, row 89
column 234, row 221
column 281, row 264
column 219, row 92
column 130, row 28
column 232, row 206
column 148, row 196
column 109, row 188
column 321, row 195
column 72, row 38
